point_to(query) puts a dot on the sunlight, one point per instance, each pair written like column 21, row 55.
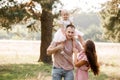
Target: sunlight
column 83, row 5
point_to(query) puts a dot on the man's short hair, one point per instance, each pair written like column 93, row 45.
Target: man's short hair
column 70, row 25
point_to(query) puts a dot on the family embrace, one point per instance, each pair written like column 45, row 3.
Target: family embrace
column 69, row 54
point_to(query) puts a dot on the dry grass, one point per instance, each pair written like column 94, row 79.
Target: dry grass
column 109, row 56
column 16, row 52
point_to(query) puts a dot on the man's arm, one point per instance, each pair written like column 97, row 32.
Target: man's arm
column 81, row 40
column 53, row 48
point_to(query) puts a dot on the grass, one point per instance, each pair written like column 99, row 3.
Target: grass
column 24, row 71
column 41, row 71
column 20, row 66
column 106, row 73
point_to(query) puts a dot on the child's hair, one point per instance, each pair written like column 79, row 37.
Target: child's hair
column 90, row 52
column 63, row 10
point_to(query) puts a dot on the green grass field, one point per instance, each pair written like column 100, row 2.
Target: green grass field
column 26, row 67
column 109, row 70
column 25, row 71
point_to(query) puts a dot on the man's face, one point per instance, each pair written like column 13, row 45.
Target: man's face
column 70, row 32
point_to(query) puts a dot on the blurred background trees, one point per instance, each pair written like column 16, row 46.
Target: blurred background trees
column 110, row 19
column 33, row 20
column 12, row 12
column 19, row 15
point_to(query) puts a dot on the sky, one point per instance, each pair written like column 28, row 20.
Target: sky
column 83, row 5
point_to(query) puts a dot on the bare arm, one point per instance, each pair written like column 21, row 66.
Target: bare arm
column 62, row 28
column 76, row 62
column 52, row 48
column 80, row 63
column 81, row 40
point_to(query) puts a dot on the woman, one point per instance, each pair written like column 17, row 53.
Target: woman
column 85, row 59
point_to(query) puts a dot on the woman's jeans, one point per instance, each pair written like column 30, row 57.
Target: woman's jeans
column 59, row 73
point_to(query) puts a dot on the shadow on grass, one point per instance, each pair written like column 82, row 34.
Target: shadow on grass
column 23, row 71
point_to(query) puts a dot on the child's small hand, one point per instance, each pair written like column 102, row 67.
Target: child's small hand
column 61, row 46
column 74, row 38
column 75, row 50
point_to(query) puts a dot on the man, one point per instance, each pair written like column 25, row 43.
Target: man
column 63, row 62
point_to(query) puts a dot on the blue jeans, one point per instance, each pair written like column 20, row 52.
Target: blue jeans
column 59, row 73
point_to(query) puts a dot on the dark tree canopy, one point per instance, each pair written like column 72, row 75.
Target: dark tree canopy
column 110, row 18
column 12, row 12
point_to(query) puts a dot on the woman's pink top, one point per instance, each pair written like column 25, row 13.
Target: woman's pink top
column 82, row 72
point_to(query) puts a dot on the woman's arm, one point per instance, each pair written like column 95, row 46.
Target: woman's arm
column 78, row 63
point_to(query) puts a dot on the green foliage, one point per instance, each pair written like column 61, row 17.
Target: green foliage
column 93, row 32
column 37, row 71
column 84, row 20
column 11, row 12
column 10, row 15
column 23, row 71
column 20, row 32
column 110, row 18
column 47, row 3
column 4, row 34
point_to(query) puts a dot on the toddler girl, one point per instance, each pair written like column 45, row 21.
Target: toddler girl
column 59, row 36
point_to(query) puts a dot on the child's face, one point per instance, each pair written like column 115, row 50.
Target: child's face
column 65, row 15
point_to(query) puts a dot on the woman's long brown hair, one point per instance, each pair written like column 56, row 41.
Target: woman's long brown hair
column 90, row 52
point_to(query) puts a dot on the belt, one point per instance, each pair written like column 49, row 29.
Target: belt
column 56, row 67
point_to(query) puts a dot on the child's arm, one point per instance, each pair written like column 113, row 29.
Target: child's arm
column 63, row 30
column 61, row 26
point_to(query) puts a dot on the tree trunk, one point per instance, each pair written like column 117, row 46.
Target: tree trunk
column 46, row 35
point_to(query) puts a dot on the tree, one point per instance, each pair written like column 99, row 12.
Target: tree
column 12, row 12
column 18, row 12
column 46, row 29
column 110, row 18
column 93, row 32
